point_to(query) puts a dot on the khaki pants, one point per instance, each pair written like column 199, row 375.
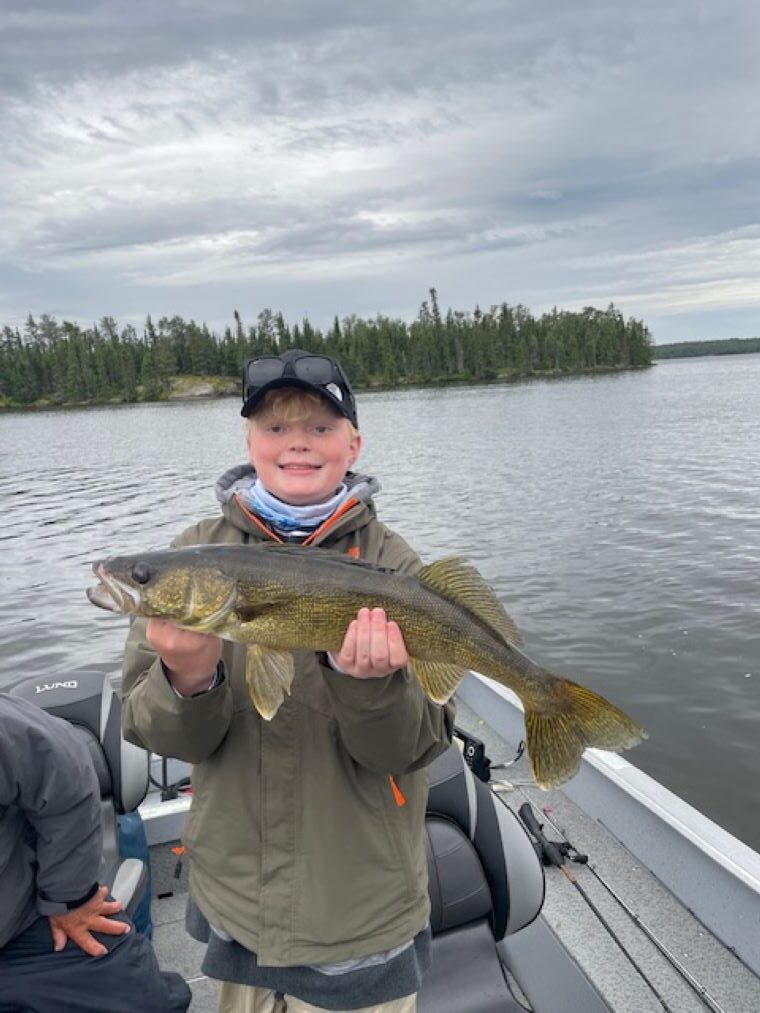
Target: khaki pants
column 244, row 999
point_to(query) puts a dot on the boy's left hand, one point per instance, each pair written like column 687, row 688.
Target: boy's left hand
column 373, row 646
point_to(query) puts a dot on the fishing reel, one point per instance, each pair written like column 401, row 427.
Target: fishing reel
column 550, row 852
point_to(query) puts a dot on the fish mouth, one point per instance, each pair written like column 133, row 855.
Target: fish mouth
column 113, row 594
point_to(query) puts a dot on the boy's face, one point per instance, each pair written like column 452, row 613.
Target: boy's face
column 302, row 462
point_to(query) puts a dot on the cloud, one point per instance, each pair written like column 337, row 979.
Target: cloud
column 190, row 151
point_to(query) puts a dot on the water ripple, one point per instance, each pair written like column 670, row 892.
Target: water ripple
column 618, row 519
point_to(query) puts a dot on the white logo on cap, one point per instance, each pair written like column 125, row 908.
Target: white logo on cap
column 335, row 390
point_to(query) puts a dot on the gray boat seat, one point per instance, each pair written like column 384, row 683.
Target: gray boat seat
column 87, row 700
column 485, row 882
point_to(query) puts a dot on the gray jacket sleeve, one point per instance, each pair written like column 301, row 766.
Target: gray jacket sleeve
column 154, row 716
column 48, row 781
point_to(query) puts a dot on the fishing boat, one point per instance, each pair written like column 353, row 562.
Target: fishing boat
column 611, row 894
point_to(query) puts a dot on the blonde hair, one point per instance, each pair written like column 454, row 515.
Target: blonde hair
column 292, row 404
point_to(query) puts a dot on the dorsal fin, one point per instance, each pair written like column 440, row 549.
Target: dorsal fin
column 456, row 579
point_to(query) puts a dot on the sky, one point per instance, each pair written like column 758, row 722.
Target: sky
column 324, row 157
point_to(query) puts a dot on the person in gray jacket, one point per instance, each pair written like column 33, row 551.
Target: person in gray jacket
column 65, row 946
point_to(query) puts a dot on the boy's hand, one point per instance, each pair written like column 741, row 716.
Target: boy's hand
column 190, row 658
column 373, row 647
column 79, row 924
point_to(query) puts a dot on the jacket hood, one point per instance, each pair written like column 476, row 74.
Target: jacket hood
column 241, row 477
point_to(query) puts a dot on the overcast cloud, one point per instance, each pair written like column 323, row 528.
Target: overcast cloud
column 197, row 157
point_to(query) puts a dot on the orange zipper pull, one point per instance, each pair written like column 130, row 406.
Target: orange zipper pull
column 398, row 795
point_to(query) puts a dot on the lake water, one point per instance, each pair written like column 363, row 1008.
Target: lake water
column 617, row 517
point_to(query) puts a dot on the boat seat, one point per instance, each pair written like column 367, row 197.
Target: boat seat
column 87, row 700
column 485, row 882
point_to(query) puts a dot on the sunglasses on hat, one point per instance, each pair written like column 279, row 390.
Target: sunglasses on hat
column 320, row 373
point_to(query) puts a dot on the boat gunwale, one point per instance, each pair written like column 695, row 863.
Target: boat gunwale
column 711, row 872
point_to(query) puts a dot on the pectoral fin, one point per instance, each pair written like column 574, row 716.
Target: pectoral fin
column 269, row 675
column 438, row 680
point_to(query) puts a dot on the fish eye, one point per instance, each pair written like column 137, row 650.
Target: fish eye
column 141, row 573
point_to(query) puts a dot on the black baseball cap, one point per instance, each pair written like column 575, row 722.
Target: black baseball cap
column 320, row 374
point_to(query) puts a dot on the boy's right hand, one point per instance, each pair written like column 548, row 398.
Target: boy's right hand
column 190, row 659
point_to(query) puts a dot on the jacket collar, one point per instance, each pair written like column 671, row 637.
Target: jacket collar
column 354, row 513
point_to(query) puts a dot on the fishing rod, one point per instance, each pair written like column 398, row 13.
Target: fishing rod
column 555, row 852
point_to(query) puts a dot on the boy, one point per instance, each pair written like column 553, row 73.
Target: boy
column 308, row 876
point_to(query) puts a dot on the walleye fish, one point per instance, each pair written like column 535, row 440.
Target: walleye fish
column 276, row 599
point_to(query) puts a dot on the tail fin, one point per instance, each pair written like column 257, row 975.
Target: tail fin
column 575, row 719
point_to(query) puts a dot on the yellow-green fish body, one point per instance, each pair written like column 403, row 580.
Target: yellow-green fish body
column 276, row 599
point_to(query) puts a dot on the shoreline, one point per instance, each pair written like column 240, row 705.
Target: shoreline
column 198, row 388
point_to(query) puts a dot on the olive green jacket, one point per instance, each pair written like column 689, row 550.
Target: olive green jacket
column 306, row 833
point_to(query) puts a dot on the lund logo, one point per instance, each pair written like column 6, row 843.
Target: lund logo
column 70, row 684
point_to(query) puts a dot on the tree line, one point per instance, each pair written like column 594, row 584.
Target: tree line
column 48, row 362
column 722, row 346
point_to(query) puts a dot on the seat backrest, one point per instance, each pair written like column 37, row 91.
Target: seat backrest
column 89, row 702
column 493, row 853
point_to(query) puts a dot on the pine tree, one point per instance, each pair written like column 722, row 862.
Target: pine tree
column 63, row 363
